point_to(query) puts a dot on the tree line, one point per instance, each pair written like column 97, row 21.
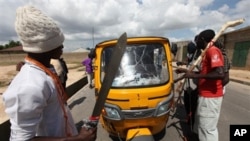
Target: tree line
column 10, row 44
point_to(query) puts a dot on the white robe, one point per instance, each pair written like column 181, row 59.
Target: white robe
column 33, row 107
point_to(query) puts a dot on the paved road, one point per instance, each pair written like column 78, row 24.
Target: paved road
column 235, row 110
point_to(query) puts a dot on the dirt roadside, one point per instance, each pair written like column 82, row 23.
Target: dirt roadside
column 7, row 73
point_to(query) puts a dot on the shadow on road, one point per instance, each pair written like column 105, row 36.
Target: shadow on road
column 77, row 102
column 180, row 123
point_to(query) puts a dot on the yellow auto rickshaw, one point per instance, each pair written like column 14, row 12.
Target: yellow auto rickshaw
column 141, row 95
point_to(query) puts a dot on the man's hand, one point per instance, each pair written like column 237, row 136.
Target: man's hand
column 88, row 134
column 189, row 75
column 186, row 75
column 181, row 70
column 84, row 135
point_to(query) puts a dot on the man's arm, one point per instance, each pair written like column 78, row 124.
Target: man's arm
column 225, row 80
column 216, row 73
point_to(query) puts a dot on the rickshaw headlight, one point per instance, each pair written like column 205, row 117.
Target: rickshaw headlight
column 164, row 107
column 112, row 113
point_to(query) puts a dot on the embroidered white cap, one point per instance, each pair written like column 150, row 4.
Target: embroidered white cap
column 38, row 33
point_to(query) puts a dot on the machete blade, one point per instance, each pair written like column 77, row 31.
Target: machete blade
column 112, row 69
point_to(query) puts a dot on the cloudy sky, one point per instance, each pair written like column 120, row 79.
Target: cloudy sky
column 85, row 20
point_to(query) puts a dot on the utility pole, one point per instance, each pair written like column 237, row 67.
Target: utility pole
column 93, row 38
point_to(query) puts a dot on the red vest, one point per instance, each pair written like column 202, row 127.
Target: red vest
column 211, row 87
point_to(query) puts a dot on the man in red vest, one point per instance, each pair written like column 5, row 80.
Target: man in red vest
column 210, row 88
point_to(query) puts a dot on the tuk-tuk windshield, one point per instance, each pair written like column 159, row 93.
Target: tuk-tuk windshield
column 141, row 65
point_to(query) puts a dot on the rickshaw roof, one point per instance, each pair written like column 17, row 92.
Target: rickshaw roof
column 131, row 40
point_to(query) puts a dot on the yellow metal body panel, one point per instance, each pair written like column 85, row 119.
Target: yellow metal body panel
column 134, row 133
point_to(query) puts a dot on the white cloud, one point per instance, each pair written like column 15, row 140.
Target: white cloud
column 177, row 20
column 201, row 3
column 224, row 8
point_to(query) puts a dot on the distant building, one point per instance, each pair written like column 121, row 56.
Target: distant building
column 181, row 54
column 17, row 49
column 81, row 50
column 237, row 44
